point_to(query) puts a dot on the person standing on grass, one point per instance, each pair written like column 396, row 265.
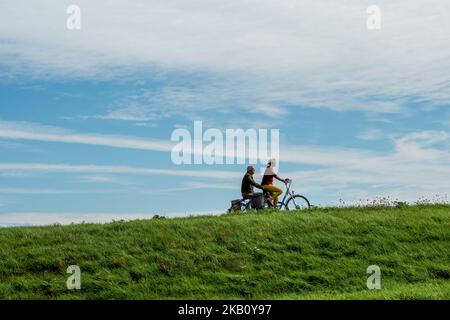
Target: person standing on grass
column 267, row 182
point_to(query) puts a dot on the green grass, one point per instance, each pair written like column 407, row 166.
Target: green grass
column 320, row 254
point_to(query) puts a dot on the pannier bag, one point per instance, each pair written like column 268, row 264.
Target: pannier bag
column 258, row 201
column 235, row 205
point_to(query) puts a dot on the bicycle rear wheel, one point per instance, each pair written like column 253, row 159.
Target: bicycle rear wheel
column 297, row 202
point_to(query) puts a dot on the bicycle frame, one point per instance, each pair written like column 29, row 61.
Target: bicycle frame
column 288, row 193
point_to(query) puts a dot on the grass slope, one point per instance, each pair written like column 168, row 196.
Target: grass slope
column 321, row 254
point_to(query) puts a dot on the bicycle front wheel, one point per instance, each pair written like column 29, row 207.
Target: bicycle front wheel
column 297, row 202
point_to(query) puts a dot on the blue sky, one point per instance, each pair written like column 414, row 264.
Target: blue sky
column 86, row 115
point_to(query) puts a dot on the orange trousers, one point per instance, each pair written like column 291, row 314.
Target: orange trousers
column 274, row 191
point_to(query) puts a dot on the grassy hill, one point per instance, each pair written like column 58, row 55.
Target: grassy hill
column 321, row 254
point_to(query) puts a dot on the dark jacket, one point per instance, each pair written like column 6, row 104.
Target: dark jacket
column 248, row 183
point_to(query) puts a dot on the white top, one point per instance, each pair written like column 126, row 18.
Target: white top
column 269, row 171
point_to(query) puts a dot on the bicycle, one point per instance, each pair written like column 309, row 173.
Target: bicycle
column 291, row 201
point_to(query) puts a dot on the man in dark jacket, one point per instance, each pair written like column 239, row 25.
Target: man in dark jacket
column 248, row 183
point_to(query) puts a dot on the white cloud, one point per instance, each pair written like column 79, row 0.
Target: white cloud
column 269, row 110
column 41, row 191
column 146, row 124
column 424, row 138
column 99, row 169
column 206, row 185
column 315, row 54
column 101, row 179
column 129, row 113
column 417, row 146
column 196, row 185
column 37, row 132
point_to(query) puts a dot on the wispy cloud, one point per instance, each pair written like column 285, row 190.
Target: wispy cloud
column 269, row 110
column 196, row 185
column 310, row 54
column 102, row 179
column 129, row 113
column 41, row 191
column 99, row 169
column 206, row 185
column 37, row 132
